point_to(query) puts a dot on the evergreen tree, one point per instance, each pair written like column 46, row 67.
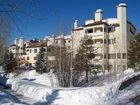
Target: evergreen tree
column 41, row 62
column 85, row 55
column 134, row 53
column 10, row 63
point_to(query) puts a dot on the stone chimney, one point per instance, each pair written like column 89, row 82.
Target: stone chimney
column 16, row 41
column 75, row 24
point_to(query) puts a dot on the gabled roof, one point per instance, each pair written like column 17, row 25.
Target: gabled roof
column 37, row 44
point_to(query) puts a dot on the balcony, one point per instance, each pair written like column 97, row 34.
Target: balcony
column 96, row 34
column 51, row 58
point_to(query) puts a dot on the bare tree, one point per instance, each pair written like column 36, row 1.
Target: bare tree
column 4, row 32
column 10, row 12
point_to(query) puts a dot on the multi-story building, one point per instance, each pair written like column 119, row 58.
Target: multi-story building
column 18, row 47
column 111, row 37
column 26, row 52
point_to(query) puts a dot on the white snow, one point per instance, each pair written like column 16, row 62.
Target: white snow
column 6, row 99
column 122, row 4
column 43, row 79
column 111, row 20
column 108, row 94
column 38, row 87
column 99, row 10
column 30, row 89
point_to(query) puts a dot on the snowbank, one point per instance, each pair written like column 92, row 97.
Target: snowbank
column 97, row 95
column 48, row 79
column 6, row 99
column 31, row 89
column 64, row 96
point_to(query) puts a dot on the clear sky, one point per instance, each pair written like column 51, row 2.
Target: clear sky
column 58, row 12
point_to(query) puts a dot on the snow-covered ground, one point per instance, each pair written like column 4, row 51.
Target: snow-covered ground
column 102, row 92
column 38, row 87
column 34, row 77
column 7, row 99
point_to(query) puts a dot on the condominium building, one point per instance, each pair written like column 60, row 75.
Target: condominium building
column 111, row 37
column 26, row 52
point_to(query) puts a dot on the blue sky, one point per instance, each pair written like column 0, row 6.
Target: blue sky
column 62, row 13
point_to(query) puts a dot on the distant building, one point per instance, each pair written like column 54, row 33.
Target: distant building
column 26, row 52
column 111, row 36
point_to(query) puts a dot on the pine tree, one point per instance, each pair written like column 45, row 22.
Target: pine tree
column 10, row 63
column 41, row 62
column 134, row 53
column 85, row 55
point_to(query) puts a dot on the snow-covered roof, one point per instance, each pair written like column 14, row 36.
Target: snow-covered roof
column 111, row 20
column 122, row 4
column 68, row 36
column 99, row 10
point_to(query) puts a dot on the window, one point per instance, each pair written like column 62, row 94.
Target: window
column 27, row 58
column 98, row 41
column 109, row 41
column 56, row 41
column 89, row 31
column 105, row 56
column 111, row 28
column 132, row 31
column 49, row 49
column 69, row 41
column 104, row 41
column 104, row 29
column 109, row 56
column 27, row 50
column 30, row 50
column 35, row 50
column 118, row 55
column 109, row 67
column 124, row 55
column 99, row 29
column 114, row 56
column 114, row 40
column 68, row 47
column 34, row 58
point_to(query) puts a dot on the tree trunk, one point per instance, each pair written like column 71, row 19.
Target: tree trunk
column 86, row 76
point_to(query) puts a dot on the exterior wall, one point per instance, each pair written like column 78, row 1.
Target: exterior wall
column 31, row 55
column 113, row 50
column 111, row 36
column 14, row 50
